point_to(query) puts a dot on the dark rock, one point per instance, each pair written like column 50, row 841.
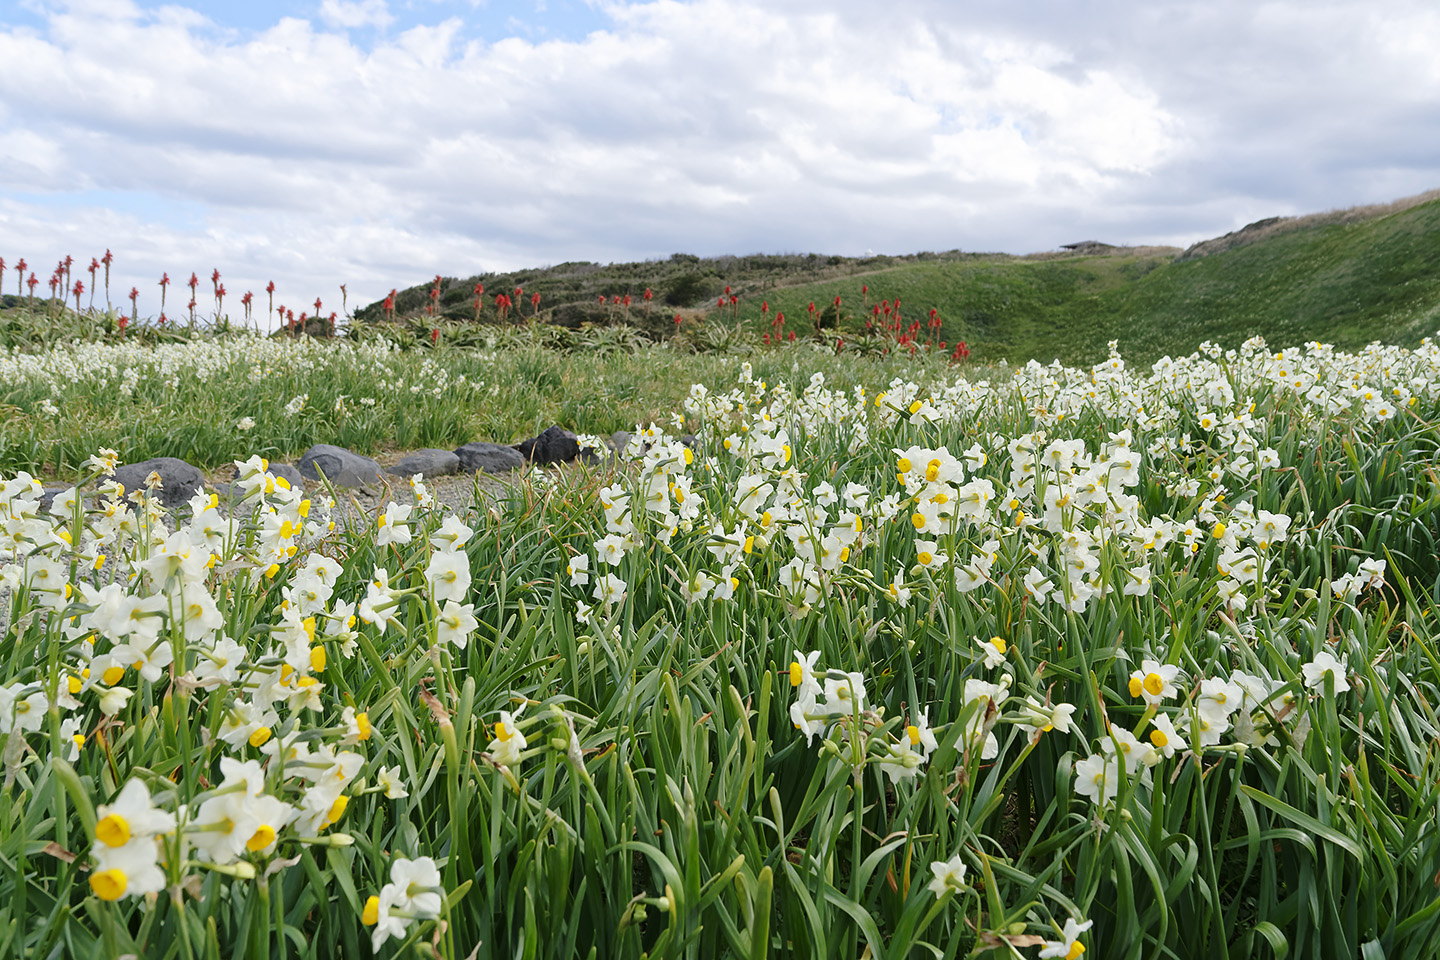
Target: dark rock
column 290, row 474
column 554, row 445
column 339, row 466
column 179, row 480
column 489, row 457
column 431, row 463
column 690, row 440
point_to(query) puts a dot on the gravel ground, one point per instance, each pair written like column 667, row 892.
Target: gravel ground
column 457, row 490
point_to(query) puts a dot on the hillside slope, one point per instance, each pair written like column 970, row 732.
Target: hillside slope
column 1341, row 279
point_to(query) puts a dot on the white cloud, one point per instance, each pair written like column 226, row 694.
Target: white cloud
column 301, row 155
column 350, row 14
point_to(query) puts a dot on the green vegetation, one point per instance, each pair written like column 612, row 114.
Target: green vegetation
column 193, row 399
column 1335, row 279
column 880, row 674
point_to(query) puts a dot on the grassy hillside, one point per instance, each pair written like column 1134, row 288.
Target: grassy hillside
column 1337, row 278
column 1346, row 284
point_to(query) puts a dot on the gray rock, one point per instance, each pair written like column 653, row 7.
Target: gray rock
column 489, row 457
column 291, row 474
column 179, row 479
column 618, row 441
column 554, row 445
column 339, row 466
column 431, row 463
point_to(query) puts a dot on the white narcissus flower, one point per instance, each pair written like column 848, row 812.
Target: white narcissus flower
column 611, row 549
column 929, row 555
column 609, row 589
column 387, row 925
column 390, row 779
column 509, row 742
column 1135, row 752
column 392, row 524
column 1165, row 738
column 921, row 735
column 1154, row 681
column 900, row 762
column 126, row 850
column 806, row 716
column 993, row 650
column 1039, row 718
column 418, row 886
column 1098, row 777
column 1325, row 665
column 1068, row 947
column 452, row 535
column 579, row 570
column 845, row 693
column 949, row 875
column 131, row 869
column 131, row 815
column 804, row 675
column 448, row 574
column 456, row 623
column 696, row 588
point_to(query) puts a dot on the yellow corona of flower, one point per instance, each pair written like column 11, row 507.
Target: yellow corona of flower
column 108, row 884
column 261, row 839
column 337, row 809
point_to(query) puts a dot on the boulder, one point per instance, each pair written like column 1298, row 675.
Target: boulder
column 339, row 466
column 430, row 463
column 489, row 457
column 290, row 474
column 178, row 479
column 554, row 445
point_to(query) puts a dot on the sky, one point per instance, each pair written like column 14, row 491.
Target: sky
column 377, row 143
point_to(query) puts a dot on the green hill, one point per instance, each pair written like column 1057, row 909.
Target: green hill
column 1346, row 278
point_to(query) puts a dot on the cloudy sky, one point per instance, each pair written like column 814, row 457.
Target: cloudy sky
column 376, row 143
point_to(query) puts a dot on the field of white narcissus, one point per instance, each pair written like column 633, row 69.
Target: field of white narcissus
column 1133, row 663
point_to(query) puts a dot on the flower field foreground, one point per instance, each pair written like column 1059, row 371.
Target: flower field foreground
column 1133, row 664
